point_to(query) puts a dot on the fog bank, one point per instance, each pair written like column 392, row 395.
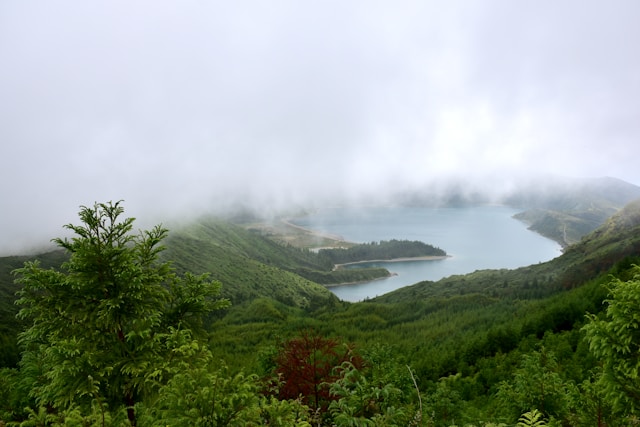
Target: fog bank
column 181, row 108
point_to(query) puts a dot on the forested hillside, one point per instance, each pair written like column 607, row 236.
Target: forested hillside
column 250, row 265
column 9, row 325
column 473, row 340
column 254, row 265
column 488, row 348
column 565, row 210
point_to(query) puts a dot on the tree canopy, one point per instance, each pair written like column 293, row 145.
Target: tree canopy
column 614, row 339
column 106, row 328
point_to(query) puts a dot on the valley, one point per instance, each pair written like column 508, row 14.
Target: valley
column 478, row 346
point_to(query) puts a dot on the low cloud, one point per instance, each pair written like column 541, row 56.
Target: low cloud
column 184, row 108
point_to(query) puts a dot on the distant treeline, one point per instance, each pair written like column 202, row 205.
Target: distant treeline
column 383, row 250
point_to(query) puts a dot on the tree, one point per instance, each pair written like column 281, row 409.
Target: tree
column 360, row 402
column 537, row 384
column 444, row 403
column 105, row 327
column 208, row 395
column 590, row 403
column 614, row 339
column 307, row 365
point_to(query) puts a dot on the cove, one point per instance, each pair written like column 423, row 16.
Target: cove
column 476, row 238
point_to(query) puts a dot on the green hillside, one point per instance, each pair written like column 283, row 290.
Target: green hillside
column 252, row 265
column 469, row 350
column 466, row 335
column 9, row 325
column 249, row 265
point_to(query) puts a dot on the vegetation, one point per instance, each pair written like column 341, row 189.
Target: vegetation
column 565, row 211
column 531, row 346
column 252, row 265
column 307, row 366
column 109, row 327
column 613, row 340
column 384, row 250
column 9, row 325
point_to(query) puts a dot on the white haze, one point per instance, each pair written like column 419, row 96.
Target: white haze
column 185, row 107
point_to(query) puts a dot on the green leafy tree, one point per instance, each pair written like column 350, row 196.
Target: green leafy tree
column 537, row 384
column 207, row 395
column 105, row 328
column 614, row 339
column 364, row 403
column 590, row 403
column 444, row 403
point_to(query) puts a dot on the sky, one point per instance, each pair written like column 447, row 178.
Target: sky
column 181, row 108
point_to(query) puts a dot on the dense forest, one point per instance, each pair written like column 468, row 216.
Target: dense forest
column 383, row 250
column 211, row 325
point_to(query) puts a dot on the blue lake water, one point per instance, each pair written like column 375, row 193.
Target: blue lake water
column 482, row 237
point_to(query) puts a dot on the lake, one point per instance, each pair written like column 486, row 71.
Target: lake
column 480, row 237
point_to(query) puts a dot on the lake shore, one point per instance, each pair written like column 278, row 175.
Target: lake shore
column 405, row 259
column 337, row 285
column 391, row 274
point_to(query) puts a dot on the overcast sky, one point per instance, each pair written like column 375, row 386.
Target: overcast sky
column 180, row 106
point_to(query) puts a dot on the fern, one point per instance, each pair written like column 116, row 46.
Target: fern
column 531, row 419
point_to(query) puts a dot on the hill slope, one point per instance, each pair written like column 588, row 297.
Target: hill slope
column 565, row 210
column 9, row 325
column 463, row 337
column 248, row 265
column 467, row 335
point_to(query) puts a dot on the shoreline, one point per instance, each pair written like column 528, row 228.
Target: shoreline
column 404, row 259
column 391, row 274
column 357, row 282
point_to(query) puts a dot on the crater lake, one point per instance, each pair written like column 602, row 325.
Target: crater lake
column 475, row 238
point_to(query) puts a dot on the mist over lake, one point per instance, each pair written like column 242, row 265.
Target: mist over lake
column 475, row 238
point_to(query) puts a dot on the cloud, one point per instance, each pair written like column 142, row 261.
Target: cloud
column 179, row 108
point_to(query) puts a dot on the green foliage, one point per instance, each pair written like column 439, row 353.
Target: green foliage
column 533, row 418
column 109, row 326
column 473, row 341
column 9, row 325
column 444, row 402
column 592, row 406
column 485, row 348
column 360, row 402
column 537, row 385
column 383, row 250
column 250, row 265
column 8, row 381
column 207, row 395
column 74, row 417
column 614, row 339
column 344, row 275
